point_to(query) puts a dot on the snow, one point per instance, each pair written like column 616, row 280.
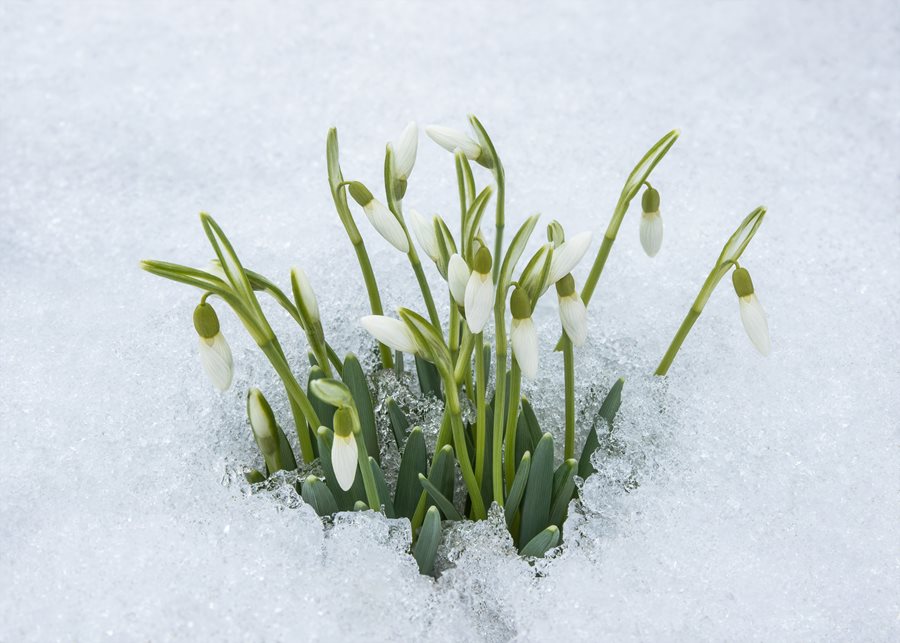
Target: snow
column 767, row 497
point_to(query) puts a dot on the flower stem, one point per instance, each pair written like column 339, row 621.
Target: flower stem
column 677, row 341
column 480, row 408
column 569, row 366
column 299, row 401
column 365, row 468
column 462, row 453
column 499, row 403
column 365, row 265
column 512, row 420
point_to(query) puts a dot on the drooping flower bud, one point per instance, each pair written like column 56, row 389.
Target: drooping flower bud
column 651, row 231
column 382, row 219
column 567, row 255
column 390, row 332
column 215, row 354
column 479, row 298
column 458, row 274
column 405, row 148
column 452, row 140
column 426, row 234
column 753, row 316
column 572, row 312
column 523, row 335
column 344, row 454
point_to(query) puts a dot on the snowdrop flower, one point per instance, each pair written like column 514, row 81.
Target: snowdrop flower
column 568, row 254
column 405, row 148
column 452, row 140
column 651, row 222
column 307, row 296
column 344, row 455
column 752, row 314
column 215, row 354
column 425, row 234
column 390, row 332
column 458, row 274
column 382, row 219
column 523, row 336
column 265, row 430
column 479, row 298
column 572, row 312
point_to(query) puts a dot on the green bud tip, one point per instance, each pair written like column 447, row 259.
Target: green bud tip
column 483, row 261
column 743, row 285
column 565, row 286
column 520, row 304
column 650, row 200
column 360, row 193
column 206, row 322
column 343, row 422
column 555, row 233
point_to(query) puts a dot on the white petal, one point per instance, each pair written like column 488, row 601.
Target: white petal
column 451, row 140
column 405, row 148
column 215, row 356
column 568, row 254
column 523, row 338
column 479, row 301
column 390, row 332
column 425, row 234
column 458, row 278
column 754, row 319
column 306, row 293
column 343, row 460
column 387, row 225
column 573, row 316
column 651, row 232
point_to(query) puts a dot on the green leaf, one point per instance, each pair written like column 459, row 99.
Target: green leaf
column 412, row 463
column 473, row 218
column 429, row 378
column 428, row 338
column 439, row 499
column 516, row 247
column 255, row 476
column 429, row 539
column 383, row 494
column 288, row 462
column 442, row 470
column 563, row 490
column 538, row 490
column 335, row 178
column 542, row 542
column 324, row 411
column 608, row 411
column 332, row 391
column 355, row 380
column 399, row 422
column 517, row 490
column 531, row 421
column 316, row 494
column 645, row 166
column 359, row 505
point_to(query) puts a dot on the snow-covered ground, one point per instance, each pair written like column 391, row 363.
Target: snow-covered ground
column 768, row 501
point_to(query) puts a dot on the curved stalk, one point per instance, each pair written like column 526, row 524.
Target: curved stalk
column 512, row 421
column 569, row 367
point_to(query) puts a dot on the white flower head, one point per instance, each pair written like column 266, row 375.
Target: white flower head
column 307, row 295
column 452, row 140
column 753, row 316
column 479, row 298
column 382, row 219
column 651, row 230
column 405, row 148
column 523, row 335
column 568, row 254
column 458, row 278
column 572, row 312
column 425, row 234
column 344, row 460
column 215, row 354
column 391, row 332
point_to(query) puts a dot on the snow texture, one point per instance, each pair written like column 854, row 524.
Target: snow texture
column 762, row 498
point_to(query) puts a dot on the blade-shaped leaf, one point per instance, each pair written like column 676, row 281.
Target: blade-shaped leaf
column 355, row 380
column 517, row 490
column 412, row 463
column 316, row 494
column 542, row 542
column 427, row 544
column 450, row 512
column 383, row 493
column 538, row 490
column 563, row 491
column 399, row 422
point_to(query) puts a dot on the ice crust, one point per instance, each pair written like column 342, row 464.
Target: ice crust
column 762, row 494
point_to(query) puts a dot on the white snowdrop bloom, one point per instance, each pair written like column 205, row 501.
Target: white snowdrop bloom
column 307, row 295
column 390, row 332
column 215, row 354
column 523, row 335
column 651, row 231
column 568, row 254
column 382, row 219
column 572, row 312
column 479, row 298
column 752, row 314
column 425, row 234
column 405, row 148
column 344, row 454
column 458, row 278
column 451, row 140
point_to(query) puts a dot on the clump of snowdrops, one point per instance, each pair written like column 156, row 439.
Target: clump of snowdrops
column 501, row 452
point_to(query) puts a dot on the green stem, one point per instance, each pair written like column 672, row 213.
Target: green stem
column 365, row 467
column 512, row 419
column 273, row 351
column 569, row 366
column 464, row 357
column 365, row 265
column 480, row 408
column 424, row 287
column 597, row 269
column 462, row 452
column 677, row 341
column 500, row 217
column 499, row 402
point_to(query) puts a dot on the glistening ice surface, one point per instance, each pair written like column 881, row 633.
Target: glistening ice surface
column 767, row 498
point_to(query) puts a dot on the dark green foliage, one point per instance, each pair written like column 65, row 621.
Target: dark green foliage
column 412, row 463
column 317, row 495
column 429, row 378
column 606, row 415
column 429, row 538
column 538, row 491
column 543, row 541
column 399, row 423
column 355, row 380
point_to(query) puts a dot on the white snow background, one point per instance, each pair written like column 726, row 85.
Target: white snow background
column 768, row 500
